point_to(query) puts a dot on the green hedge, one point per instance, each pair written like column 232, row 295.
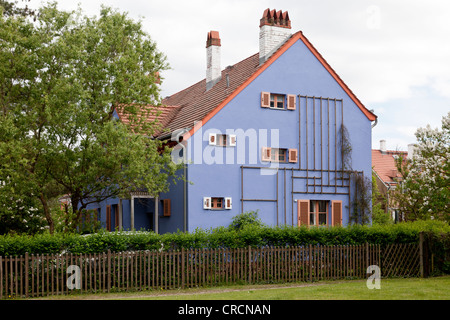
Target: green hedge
column 255, row 236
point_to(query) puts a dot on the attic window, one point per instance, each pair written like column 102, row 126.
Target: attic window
column 279, row 155
column 223, row 140
column 278, row 101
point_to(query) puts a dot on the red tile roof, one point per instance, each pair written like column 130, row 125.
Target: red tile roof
column 196, row 103
column 159, row 115
column 183, row 109
column 385, row 166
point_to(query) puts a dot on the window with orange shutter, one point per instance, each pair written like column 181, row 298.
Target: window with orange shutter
column 222, row 140
column 303, row 213
column 291, row 102
column 166, row 208
column 293, row 155
column 278, row 101
column 336, row 213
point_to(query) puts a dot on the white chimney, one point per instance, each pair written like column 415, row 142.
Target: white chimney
column 213, row 70
column 274, row 30
column 411, row 150
column 383, row 146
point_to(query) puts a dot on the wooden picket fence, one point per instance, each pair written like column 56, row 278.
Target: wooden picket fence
column 41, row 275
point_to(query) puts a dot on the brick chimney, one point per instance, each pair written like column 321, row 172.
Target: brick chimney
column 274, row 30
column 213, row 71
column 383, row 146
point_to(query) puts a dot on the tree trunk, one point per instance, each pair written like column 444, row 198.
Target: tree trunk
column 47, row 213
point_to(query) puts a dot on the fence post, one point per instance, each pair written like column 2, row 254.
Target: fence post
column 109, row 271
column 367, row 255
column 249, row 264
column 26, row 274
column 182, row 267
column 310, row 262
column 421, row 255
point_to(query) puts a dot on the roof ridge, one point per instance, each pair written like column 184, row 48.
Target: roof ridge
column 204, row 79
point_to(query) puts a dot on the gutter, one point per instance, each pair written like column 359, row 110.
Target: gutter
column 376, row 119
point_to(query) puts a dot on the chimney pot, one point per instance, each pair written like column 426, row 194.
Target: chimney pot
column 274, row 30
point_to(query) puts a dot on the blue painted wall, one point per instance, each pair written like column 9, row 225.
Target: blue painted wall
column 216, row 171
column 297, row 72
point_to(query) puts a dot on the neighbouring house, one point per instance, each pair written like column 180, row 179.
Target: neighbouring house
column 388, row 179
column 273, row 132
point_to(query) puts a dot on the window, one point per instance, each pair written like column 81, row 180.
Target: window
column 278, row 101
column 315, row 212
column 279, row 155
column 166, row 207
column 217, row 203
column 223, row 140
column 318, row 214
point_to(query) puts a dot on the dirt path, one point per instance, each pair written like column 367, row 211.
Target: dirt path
column 179, row 292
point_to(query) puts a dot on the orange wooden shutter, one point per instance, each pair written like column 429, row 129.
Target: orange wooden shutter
column 303, row 212
column 265, row 99
column 336, row 213
column 291, row 102
column 228, row 204
column 206, row 202
column 266, row 154
column 293, row 155
column 212, row 139
column 166, row 207
column 232, row 140
column 108, row 218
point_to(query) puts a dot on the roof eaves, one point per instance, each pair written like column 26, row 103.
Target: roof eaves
column 231, row 96
column 370, row 115
column 289, row 42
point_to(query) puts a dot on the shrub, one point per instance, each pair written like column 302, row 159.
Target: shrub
column 251, row 234
column 245, row 219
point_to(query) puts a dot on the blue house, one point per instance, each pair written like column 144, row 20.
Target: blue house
column 278, row 132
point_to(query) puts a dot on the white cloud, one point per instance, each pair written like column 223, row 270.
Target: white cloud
column 394, row 55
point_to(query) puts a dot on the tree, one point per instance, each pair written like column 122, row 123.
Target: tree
column 61, row 79
column 425, row 191
column 379, row 216
column 11, row 8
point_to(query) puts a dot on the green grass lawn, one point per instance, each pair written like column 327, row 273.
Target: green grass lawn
column 391, row 289
column 437, row 288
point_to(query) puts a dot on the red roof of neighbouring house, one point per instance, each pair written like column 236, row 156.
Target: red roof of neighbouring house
column 195, row 103
column 159, row 115
column 384, row 164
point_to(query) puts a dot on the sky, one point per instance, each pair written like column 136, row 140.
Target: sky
column 393, row 55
